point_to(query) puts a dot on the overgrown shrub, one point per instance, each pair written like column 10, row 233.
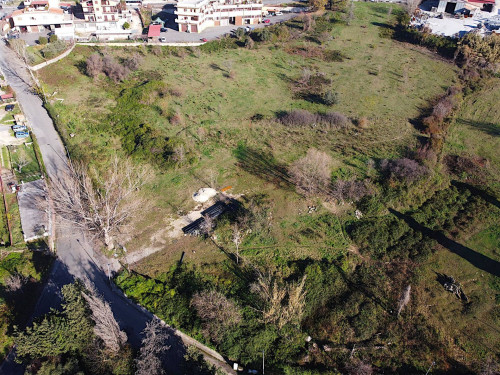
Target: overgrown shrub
column 406, row 170
column 94, row 65
column 114, row 69
column 53, row 49
column 311, row 173
column 42, row 40
column 331, row 97
column 299, row 117
column 352, row 190
column 53, row 38
column 441, row 110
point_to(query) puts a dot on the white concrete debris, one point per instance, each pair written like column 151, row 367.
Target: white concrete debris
column 204, row 194
column 463, row 21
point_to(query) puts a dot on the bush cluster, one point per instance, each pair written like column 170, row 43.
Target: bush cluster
column 97, row 64
column 441, row 110
column 406, row 170
column 301, row 118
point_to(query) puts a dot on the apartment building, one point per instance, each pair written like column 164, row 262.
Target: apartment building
column 196, row 15
column 102, row 11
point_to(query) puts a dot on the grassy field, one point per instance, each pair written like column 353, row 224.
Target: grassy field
column 476, row 130
column 30, row 171
column 217, row 111
column 223, row 108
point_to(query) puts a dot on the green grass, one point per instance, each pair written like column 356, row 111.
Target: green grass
column 385, row 81
column 476, row 130
column 35, row 55
column 5, row 158
column 29, row 172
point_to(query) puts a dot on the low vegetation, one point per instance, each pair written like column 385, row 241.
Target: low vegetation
column 355, row 190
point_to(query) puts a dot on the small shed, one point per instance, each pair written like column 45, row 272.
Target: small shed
column 154, row 31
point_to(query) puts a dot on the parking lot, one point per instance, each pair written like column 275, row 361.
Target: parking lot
column 172, row 35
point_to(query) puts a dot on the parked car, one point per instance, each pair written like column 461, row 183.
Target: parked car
column 278, row 14
column 266, row 20
column 18, row 128
column 22, row 134
column 163, row 29
column 9, row 107
column 163, row 40
column 204, row 40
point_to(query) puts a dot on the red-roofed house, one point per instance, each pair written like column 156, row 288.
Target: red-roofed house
column 7, row 97
column 154, row 31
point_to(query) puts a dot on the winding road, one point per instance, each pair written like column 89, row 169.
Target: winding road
column 75, row 256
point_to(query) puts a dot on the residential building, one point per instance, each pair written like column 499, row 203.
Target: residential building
column 104, row 18
column 43, row 15
column 196, row 15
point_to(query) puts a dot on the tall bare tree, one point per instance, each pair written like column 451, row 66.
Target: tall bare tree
column 106, row 326
column 278, row 308
column 19, row 47
column 22, row 159
column 217, row 312
column 153, row 347
column 411, row 6
column 100, row 202
column 237, row 240
column 311, row 173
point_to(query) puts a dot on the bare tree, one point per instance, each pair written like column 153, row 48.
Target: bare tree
column 106, row 326
column 207, row 226
column 217, row 312
column 278, row 309
column 22, row 159
column 94, row 65
column 411, row 6
column 19, row 47
column 311, row 174
column 14, row 283
column 153, row 347
column 404, row 299
column 237, row 240
column 358, row 367
column 179, row 155
column 100, row 203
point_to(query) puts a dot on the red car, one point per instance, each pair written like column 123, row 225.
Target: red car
column 266, row 20
column 204, row 40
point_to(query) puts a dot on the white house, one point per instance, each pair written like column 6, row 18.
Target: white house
column 196, row 15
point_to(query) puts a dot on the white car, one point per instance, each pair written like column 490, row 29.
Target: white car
column 162, row 40
column 278, row 14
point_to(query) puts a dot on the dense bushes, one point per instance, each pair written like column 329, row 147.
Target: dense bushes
column 476, row 49
column 406, row 170
column 445, row 46
column 54, row 48
column 447, row 211
column 442, row 110
column 97, row 64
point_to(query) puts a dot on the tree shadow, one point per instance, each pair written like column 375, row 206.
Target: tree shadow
column 264, row 166
column 473, row 257
column 82, row 67
column 476, row 191
column 486, row 127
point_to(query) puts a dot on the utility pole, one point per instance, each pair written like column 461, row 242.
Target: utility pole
column 109, row 273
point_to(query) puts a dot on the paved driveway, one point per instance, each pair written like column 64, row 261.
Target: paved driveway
column 33, row 208
column 173, row 35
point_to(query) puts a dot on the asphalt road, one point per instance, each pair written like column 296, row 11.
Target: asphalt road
column 75, row 255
